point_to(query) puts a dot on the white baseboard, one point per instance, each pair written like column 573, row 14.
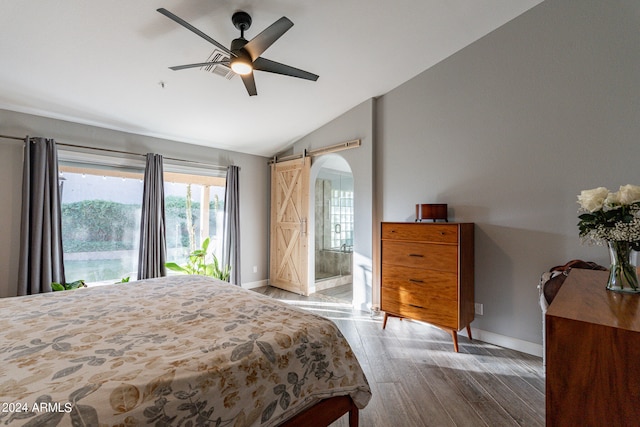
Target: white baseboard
column 504, row 341
column 253, row 285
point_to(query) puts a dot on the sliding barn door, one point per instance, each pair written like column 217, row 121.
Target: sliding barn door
column 289, row 222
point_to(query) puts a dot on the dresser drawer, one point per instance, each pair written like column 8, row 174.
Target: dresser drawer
column 421, row 282
column 429, row 232
column 420, row 255
column 436, row 311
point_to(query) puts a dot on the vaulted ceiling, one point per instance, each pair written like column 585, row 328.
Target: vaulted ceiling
column 106, row 63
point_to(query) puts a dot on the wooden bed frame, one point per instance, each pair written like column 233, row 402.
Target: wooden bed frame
column 325, row 412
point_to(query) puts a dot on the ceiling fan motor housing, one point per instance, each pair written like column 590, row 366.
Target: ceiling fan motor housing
column 237, row 44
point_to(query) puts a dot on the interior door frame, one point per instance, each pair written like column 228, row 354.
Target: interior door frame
column 317, row 164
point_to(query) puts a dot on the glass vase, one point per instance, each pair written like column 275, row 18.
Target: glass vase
column 623, row 276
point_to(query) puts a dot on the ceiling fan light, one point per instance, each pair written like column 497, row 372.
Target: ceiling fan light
column 241, row 66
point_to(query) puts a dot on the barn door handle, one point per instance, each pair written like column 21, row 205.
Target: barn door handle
column 303, row 226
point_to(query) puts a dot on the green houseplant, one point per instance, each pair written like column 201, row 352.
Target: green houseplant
column 200, row 263
column 55, row 286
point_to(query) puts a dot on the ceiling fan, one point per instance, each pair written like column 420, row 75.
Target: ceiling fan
column 244, row 56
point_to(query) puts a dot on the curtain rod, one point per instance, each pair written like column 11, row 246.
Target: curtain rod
column 121, row 152
column 12, row 137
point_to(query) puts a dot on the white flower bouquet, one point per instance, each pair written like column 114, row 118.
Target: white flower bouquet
column 614, row 218
column 608, row 216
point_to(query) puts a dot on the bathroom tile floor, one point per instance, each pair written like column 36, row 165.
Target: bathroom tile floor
column 344, row 293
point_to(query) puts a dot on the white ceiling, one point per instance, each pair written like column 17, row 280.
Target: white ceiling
column 102, row 63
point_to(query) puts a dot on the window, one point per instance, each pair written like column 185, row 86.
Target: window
column 101, row 208
column 194, row 209
column 100, row 223
column 341, row 218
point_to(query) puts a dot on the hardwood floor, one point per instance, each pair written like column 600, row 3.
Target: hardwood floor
column 418, row 380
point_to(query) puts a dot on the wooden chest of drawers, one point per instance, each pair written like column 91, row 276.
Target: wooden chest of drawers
column 593, row 349
column 427, row 274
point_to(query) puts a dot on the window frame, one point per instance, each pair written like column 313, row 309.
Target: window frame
column 132, row 166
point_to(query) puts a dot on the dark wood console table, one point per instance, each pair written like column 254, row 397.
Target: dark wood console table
column 592, row 354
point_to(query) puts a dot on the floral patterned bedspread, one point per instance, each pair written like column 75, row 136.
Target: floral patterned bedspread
column 179, row 351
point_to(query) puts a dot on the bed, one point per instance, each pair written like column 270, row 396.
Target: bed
column 179, row 350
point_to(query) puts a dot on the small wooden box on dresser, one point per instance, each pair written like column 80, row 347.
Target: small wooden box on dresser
column 593, row 352
column 427, row 274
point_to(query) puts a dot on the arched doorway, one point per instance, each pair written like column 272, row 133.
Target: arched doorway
column 332, row 233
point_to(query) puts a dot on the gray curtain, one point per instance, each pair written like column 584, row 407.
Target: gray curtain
column 231, row 239
column 153, row 242
column 41, row 260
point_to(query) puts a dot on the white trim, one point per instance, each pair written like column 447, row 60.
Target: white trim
column 85, row 156
column 179, row 166
column 504, row 341
column 253, row 285
column 113, row 160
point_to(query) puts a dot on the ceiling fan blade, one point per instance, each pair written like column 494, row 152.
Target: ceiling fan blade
column 199, row 64
column 257, row 45
column 262, row 64
column 249, row 83
column 190, row 27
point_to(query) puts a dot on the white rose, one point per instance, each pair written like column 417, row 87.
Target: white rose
column 593, row 200
column 629, row 194
column 612, row 200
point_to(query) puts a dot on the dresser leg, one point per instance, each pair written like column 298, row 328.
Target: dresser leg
column 384, row 322
column 454, row 335
column 469, row 332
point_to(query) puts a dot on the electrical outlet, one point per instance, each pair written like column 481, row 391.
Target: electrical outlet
column 255, row 268
column 479, row 309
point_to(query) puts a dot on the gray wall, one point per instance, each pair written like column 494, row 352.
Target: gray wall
column 254, row 185
column 508, row 131
column 10, row 206
column 357, row 123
